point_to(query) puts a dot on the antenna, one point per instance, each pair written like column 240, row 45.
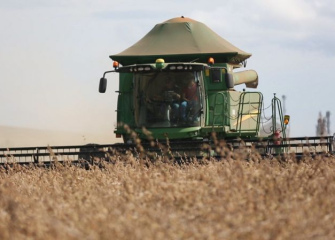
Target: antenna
column 328, row 122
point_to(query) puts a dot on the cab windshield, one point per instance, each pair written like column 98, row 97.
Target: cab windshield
column 167, row 99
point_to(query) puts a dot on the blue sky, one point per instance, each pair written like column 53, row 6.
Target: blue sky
column 52, row 54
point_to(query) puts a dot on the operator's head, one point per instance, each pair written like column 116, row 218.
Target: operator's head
column 190, row 81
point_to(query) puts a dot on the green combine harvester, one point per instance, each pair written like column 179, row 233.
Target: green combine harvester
column 158, row 70
column 177, row 98
column 177, row 84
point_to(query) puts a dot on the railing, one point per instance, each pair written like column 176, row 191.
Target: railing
column 175, row 149
column 53, row 153
column 297, row 146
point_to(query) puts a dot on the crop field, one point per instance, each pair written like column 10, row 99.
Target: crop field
column 136, row 199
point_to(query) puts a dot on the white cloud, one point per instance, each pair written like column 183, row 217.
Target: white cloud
column 288, row 11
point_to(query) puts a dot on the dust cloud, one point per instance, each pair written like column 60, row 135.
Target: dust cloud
column 28, row 137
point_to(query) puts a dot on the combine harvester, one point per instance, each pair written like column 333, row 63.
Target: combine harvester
column 176, row 97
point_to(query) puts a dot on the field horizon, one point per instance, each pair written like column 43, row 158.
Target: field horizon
column 13, row 136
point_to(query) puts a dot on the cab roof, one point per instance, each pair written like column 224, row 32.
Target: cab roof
column 181, row 40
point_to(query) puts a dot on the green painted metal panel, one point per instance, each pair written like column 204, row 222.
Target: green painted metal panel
column 125, row 107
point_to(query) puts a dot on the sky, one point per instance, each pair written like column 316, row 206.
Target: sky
column 53, row 53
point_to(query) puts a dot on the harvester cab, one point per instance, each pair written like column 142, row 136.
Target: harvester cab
column 186, row 100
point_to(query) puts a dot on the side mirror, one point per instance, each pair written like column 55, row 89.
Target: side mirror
column 229, row 80
column 103, row 85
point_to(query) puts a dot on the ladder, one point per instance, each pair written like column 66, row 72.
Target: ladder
column 250, row 107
